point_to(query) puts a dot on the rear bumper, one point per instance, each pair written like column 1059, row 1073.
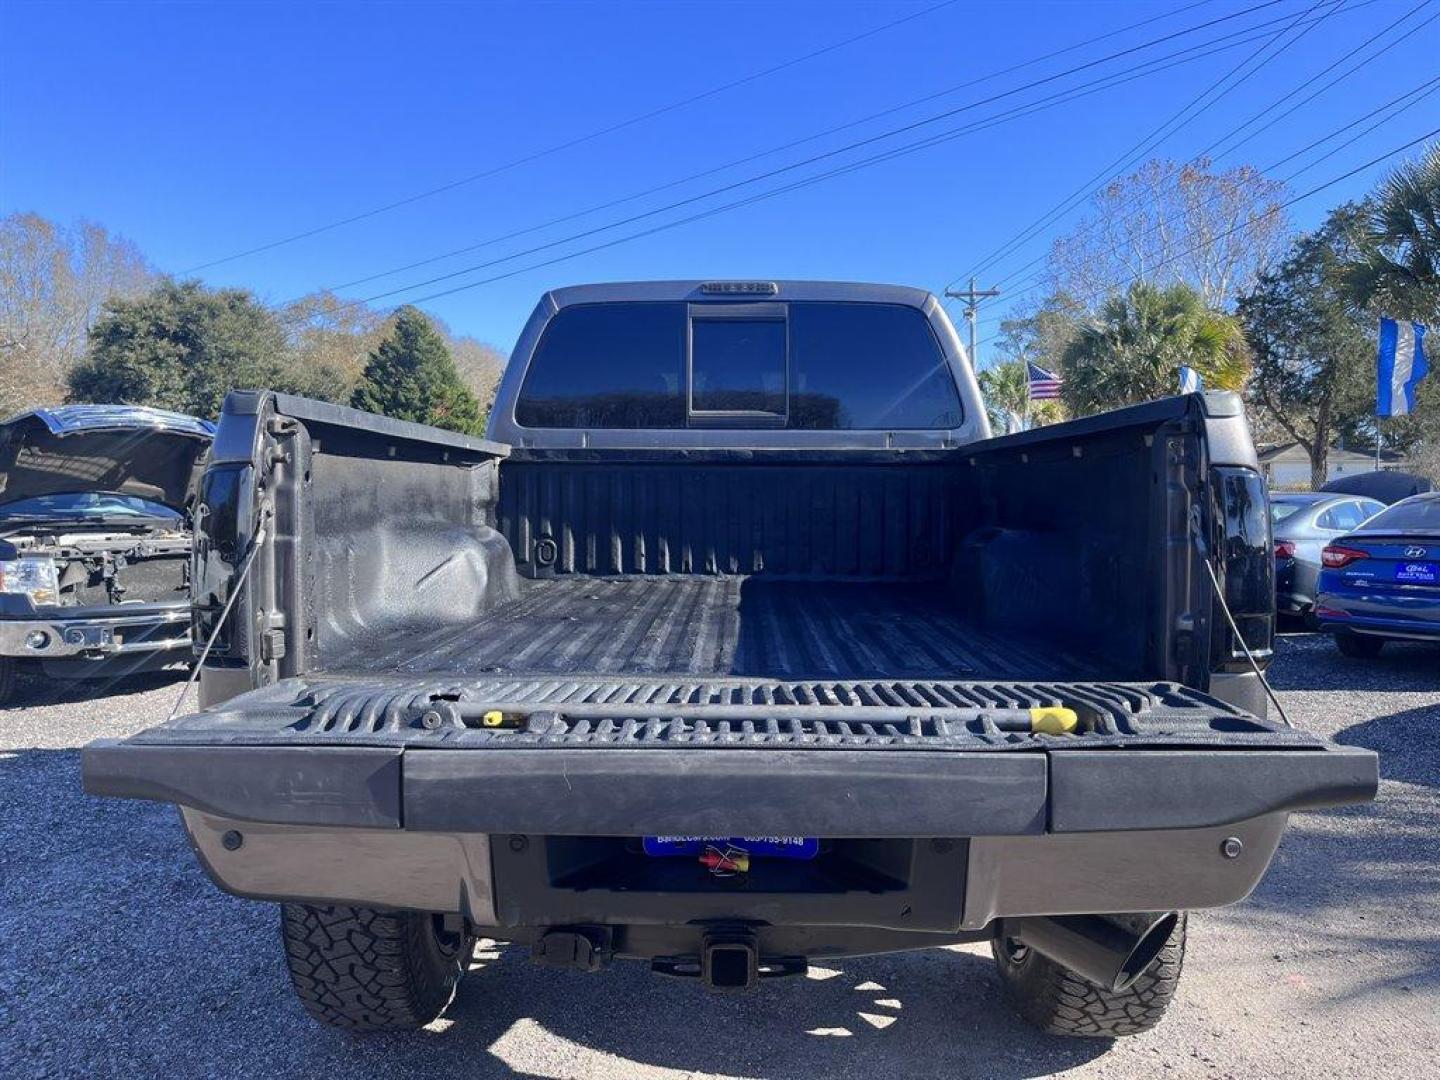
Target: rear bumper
column 1334, row 620
column 954, row 887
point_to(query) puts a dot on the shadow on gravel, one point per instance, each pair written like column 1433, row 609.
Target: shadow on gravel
column 35, row 690
column 1358, row 882
column 1405, row 742
column 935, row 1013
column 1312, row 662
column 118, row 957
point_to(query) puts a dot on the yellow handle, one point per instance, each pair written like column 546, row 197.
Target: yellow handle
column 493, row 718
column 1054, row 720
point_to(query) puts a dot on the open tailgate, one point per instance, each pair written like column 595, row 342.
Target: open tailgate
column 605, row 756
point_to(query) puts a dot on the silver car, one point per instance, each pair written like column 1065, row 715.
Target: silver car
column 1303, row 522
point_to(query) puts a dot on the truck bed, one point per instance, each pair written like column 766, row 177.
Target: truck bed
column 726, row 626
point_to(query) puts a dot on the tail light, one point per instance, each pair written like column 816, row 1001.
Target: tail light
column 1335, row 556
column 1246, row 567
column 1284, row 549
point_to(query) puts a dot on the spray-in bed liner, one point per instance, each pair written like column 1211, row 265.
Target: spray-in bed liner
column 737, row 626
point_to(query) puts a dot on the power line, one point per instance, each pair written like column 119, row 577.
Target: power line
column 1418, row 93
column 1325, row 71
column 1072, row 202
column 1423, row 90
column 929, row 141
column 566, row 145
column 1145, row 145
column 781, row 148
column 1220, row 236
column 1110, row 288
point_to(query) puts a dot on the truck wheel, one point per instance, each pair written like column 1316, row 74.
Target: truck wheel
column 1362, row 648
column 1057, row 1000
column 7, row 680
column 369, row 970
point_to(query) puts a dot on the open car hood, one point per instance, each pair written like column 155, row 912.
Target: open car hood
column 149, row 453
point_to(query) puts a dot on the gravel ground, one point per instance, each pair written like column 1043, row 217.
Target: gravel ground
column 117, row 956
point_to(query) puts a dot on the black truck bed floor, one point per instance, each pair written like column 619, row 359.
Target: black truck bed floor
column 727, row 626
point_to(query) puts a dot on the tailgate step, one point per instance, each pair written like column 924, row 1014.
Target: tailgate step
column 730, row 713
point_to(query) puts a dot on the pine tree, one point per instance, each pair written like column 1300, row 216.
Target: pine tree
column 412, row 376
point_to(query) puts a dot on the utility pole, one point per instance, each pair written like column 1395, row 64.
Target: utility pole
column 972, row 297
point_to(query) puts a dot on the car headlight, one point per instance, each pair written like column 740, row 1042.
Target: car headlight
column 35, row 578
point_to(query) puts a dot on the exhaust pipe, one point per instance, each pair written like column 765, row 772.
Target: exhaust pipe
column 1092, row 946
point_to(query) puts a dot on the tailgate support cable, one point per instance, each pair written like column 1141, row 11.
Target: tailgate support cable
column 255, row 541
column 1220, row 596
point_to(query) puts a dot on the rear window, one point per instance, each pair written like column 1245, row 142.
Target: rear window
column 1279, row 511
column 1422, row 515
column 805, row 366
column 608, row 366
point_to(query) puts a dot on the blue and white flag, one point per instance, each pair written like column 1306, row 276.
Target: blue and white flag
column 1190, row 381
column 1401, row 366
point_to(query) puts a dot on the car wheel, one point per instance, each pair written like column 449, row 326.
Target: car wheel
column 369, row 970
column 1062, row 1002
column 1362, row 648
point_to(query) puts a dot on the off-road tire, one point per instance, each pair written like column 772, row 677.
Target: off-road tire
column 1361, row 648
column 367, row 970
column 7, row 680
column 1057, row 1000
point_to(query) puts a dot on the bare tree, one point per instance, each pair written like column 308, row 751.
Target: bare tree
column 330, row 339
column 53, row 282
column 480, row 364
column 1169, row 223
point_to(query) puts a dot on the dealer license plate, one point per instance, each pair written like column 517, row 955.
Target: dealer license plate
column 1417, row 573
column 774, row 847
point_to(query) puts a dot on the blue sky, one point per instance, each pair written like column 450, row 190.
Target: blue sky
column 203, row 129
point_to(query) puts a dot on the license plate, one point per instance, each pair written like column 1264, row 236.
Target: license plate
column 1417, row 573
column 773, row 847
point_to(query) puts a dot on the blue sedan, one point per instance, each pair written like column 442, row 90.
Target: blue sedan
column 1381, row 582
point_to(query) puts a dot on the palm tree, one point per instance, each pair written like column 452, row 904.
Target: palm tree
column 1135, row 346
column 1399, row 275
column 1006, row 389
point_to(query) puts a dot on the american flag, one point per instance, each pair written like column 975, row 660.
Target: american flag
column 1044, row 385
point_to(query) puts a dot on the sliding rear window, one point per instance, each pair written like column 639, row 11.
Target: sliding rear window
column 807, row 366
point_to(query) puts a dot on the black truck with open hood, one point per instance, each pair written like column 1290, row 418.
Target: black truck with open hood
column 739, row 643
column 95, row 537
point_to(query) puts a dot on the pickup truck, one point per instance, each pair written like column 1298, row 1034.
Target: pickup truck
column 739, row 643
column 95, row 540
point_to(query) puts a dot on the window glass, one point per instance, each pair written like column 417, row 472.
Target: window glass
column 737, row 365
column 1421, row 515
column 868, row 366
column 608, row 366
column 1332, row 520
column 1349, row 515
column 822, row 366
column 88, row 504
column 1279, row 511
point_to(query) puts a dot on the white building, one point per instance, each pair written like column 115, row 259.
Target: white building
column 1287, row 466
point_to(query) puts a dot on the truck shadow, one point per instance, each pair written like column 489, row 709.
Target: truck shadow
column 932, row 1013
column 119, row 957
